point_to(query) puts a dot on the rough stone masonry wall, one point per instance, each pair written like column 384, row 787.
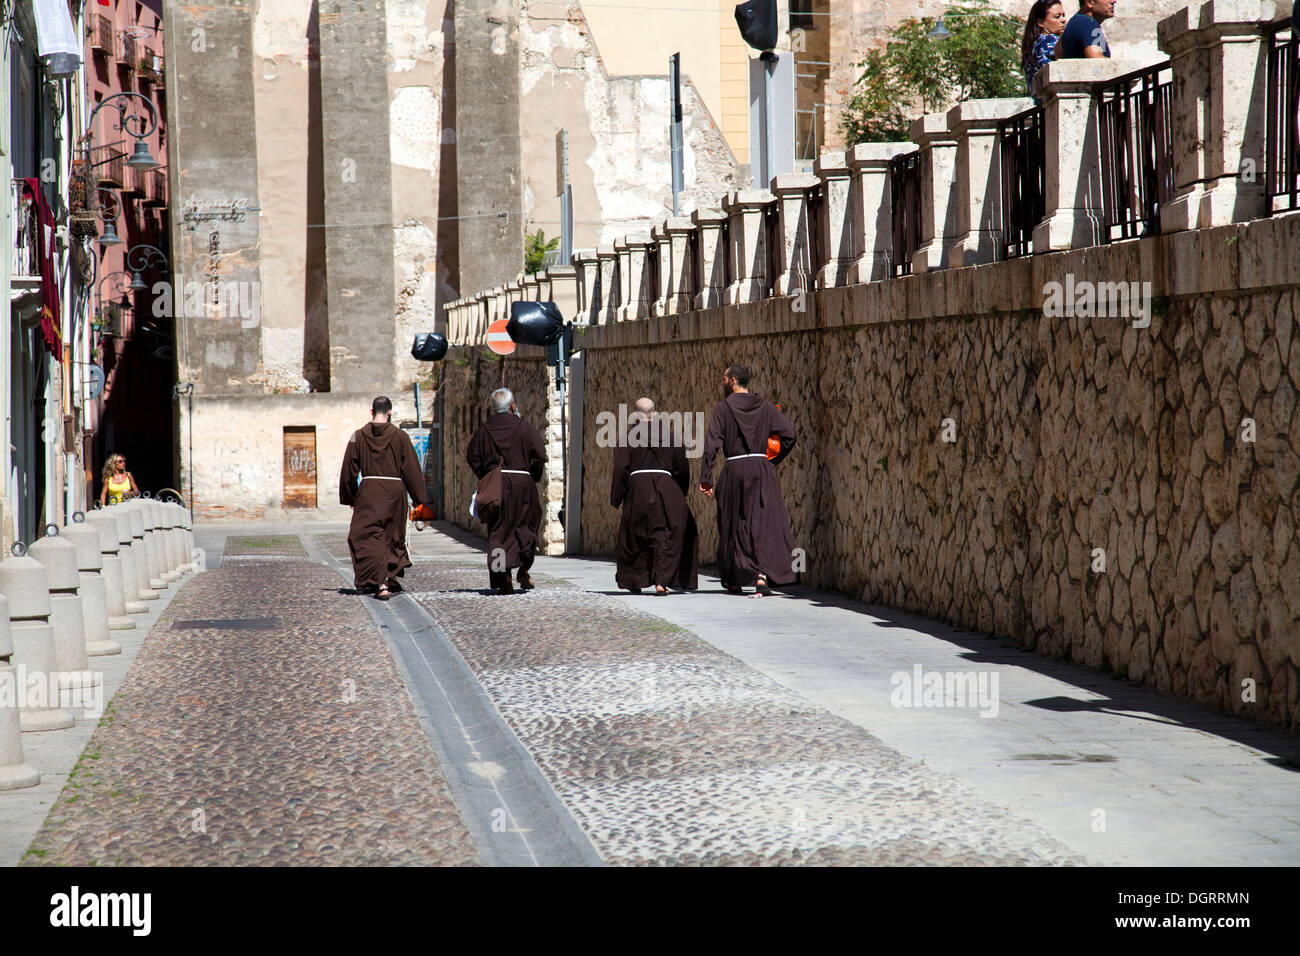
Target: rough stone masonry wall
column 1071, row 435
column 471, row 376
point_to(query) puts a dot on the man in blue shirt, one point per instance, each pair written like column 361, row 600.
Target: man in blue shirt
column 1083, row 36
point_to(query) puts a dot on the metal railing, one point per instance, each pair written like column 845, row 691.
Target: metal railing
column 1137, row 174
column 127, row 58
column 155, row 187
column 107, row 166
column 102, row 36
column 1023, row 167
column 1282, row 138
column 815, row 213
column 905, row 210
column 25, row 250
column 773, row 243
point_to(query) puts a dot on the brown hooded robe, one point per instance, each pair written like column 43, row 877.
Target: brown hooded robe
column 657, row 539
column 753, row 526
column 515, row 527
column 380, row 467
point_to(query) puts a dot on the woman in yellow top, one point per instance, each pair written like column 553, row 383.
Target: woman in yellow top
column 118, row 483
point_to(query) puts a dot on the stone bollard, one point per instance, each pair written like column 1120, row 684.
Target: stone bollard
column 152, row 544
column 187, row 527
column 182, row 546
column 23, row 581
column 171, row 542
column 110, row 553
column 15, row 772
column 144, row 564
column 132, row 553
column 162, row 532
column 59, row 556
column 92, row 590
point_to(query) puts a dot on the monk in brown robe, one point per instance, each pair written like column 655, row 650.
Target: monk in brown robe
column 754, row 540
column 514, row 527
column 656, row 535
column 380, row 468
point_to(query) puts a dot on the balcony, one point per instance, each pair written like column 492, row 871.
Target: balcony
column 127, row 57
column 101, row 36
column 150, row 68
column 155, row 187
column 133, row 183
column 108, row 167
column 24, row 253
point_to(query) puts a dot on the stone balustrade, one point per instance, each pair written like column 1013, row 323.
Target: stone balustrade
column 833, row 227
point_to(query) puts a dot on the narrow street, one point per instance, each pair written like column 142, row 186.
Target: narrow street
column 271, row 716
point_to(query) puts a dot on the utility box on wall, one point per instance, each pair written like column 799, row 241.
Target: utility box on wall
column 300, row 466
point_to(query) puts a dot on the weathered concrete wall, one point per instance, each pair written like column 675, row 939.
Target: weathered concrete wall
column 619, row 151
column 471, row 375
column 239, row 451
column 210, row 60
column 1070, row 435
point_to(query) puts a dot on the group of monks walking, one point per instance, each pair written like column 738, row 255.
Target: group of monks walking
column 658, row 543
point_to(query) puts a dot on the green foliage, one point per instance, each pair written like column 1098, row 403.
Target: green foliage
column 914, row 73
column 536, row 246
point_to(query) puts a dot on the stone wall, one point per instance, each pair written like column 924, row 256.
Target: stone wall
column 1070, row 435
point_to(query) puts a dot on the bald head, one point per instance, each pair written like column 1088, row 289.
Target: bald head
column 645, row 409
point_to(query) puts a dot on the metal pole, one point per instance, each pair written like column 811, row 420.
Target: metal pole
column 675, row 126
column 769, row 65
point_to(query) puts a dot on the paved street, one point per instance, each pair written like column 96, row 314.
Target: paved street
column 272, row 717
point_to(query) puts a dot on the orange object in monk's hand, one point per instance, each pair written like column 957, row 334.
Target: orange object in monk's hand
column 773, row 446
column 422, row 515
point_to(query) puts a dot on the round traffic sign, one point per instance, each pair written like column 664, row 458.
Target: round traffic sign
column 498, row 340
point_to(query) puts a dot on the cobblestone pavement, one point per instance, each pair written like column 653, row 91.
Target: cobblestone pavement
column 293, row 745
column 667, row 751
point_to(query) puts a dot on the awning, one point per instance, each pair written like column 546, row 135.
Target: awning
column 57, row 40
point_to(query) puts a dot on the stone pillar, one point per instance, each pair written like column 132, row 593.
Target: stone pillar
column 587, row 271
column 979, row 186
column 634, row 255
column 607, row 257
column 938, row 197
column 711, row 254
column 677, row 280
column 564, row 291
column 544, row 293
column 359, row 192
column 873, row 235
column 530, row 289
column 794, row 255
column 552, row 485
column 481, row 311
column 1219, row 64
column 747, row 245
column 489, row 159
column 1073, row 215
column 836, row 221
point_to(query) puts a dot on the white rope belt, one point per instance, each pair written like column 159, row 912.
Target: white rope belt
column 379, row 477
column 755, row 454
column 512, row 471
column 650, row 471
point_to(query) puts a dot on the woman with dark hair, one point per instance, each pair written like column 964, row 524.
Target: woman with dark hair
column 1043, row 28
